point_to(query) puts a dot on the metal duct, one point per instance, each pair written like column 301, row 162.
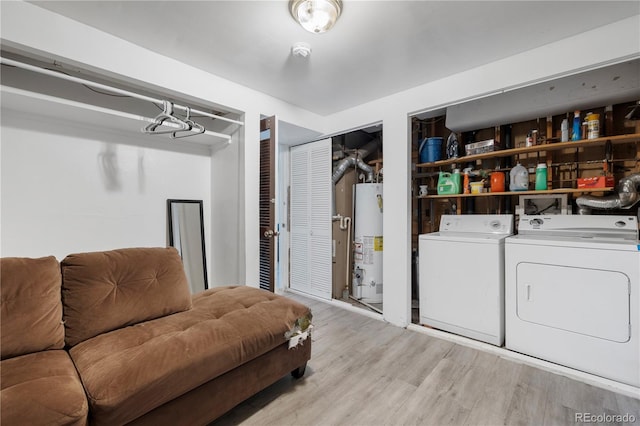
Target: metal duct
column 365, row 168
column 626, row 197
column 341, row 168
column 356, row 159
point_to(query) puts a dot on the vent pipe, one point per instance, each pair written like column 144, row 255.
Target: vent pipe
column 626, row 197
column 354, row 159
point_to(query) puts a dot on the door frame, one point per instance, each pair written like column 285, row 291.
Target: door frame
column 282, row 217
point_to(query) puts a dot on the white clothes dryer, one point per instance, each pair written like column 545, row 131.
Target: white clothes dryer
column 572, row 293
column 461, row 276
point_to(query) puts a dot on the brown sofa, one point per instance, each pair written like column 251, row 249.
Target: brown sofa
column 115, row 337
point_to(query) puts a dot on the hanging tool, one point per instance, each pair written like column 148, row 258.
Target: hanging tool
column 608, row 153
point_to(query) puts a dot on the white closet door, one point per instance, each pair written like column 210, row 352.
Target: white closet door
column 299, row 223
column 310, row 262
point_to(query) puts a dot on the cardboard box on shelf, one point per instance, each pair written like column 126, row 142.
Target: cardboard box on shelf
column 596, row 182
column 481, row 147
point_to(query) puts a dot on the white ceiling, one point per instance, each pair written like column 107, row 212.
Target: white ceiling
column 377, row 48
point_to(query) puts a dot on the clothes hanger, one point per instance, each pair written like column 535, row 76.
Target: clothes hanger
column 164, row 116
column 194, row 128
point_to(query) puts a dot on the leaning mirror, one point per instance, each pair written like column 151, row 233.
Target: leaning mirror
column 186, row 234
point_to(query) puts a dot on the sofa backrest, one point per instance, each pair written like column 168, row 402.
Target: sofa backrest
column 30, row 306
column 104, row 291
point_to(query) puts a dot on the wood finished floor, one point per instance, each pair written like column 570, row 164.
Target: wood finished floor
column 366, row 372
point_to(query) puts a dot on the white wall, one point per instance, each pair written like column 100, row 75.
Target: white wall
column 69, row 187
column 227, row 180
column 396, row 221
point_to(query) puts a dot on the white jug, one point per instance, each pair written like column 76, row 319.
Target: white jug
column 518, row 178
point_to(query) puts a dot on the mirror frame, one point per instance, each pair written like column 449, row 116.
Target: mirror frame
column 170, row 202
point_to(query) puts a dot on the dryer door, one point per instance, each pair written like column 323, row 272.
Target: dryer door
column 591, row 302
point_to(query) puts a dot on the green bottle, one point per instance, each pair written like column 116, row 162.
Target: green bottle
column 541, row 177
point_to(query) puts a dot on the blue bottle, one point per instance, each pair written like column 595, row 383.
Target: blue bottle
column 576, row 127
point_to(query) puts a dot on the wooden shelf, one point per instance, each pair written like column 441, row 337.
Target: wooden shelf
column 536, row 148
column 548, row 191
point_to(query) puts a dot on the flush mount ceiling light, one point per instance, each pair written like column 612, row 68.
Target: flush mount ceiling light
column 316, row 16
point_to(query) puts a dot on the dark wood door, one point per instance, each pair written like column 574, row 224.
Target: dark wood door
column 268, row 231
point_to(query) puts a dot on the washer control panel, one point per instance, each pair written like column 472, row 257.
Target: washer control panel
column 477, row 223
column 587, row 226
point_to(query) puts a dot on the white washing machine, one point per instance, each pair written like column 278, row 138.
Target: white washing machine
column 461, row 276
column 572, row 293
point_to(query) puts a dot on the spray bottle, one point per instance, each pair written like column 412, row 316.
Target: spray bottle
column 465, row 184
column 576, row 126
column 564, row 131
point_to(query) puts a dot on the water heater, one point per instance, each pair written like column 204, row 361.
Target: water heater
column 367, row 254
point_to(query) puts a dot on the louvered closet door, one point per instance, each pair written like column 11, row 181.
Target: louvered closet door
column 310, row 255
column 299, row 221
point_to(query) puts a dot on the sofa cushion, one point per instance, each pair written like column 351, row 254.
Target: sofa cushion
column 42, row 388
column 103, row 291
column 30, row 300
column 131, row 371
